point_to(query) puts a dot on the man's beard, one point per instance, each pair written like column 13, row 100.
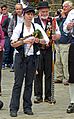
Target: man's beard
column 44, row 17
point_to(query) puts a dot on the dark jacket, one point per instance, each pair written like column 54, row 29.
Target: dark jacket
column 5, row 26
column 49, row 21
column 1, row 38
column 65, row 38
column 12, row 25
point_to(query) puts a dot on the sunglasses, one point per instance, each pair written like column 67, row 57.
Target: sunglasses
column 3, row 9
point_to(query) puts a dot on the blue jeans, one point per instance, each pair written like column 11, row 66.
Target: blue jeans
column 6, row 53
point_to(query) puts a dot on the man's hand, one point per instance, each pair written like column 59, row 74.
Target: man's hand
column 56, row 37
column 37, row 40
column 42, row 41
column 70, row 25
column 29, row 40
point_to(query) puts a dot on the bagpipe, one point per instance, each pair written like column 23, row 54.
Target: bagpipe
column 36, row 34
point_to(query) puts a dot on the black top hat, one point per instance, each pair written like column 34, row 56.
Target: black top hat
column 29, row 9
column 43, row 4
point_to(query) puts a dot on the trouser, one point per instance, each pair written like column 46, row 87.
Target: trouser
column 23, row 68
column 71, row 63
column 61, row 64
column 7, row 53
column 45, row 65
column 71, row 72
column 1, row 57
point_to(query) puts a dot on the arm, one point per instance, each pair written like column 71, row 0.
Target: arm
column 57, row 34
column 45, row 37
column 15, row 41
column 21, row 42
column 11, row 27
column 68, row 24
column 1, row 39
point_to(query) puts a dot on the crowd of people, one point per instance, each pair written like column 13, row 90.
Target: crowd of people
column 43, row 46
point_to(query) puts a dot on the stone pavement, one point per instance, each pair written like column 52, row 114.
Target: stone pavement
column 42, row 110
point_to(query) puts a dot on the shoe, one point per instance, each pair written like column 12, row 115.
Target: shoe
column 13, row 113
column 49, row 100
column 57, row 81
column 28, row 112
column 38, row 100
column 1, row 104
column 3, row 66
column 8, row 65
column 11, row 70
column 66, row 83
column 70, row 108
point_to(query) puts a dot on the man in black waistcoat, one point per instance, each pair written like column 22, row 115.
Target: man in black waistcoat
column 45, row 64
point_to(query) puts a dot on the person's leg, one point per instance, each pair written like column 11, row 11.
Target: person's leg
column 64, row 48
column 71, row 92
column 1, row 57
column 58, row 65
column 11, row 55
column 49, row 86
column 70, row 108
column 48, row 72
column 16, row 92
column 30, row 72
column 38, row 81
column 6, row 53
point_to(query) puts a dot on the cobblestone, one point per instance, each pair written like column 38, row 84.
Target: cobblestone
column 42, row 110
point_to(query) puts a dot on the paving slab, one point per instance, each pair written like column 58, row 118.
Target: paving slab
column 41, row 111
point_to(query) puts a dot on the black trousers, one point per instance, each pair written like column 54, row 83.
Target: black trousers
column 45, row 65
column 23, row 69
column 71, row 63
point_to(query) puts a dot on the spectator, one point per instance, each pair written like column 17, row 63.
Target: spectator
column 5, row 15
column 17, row 18
column 69, row 29
column 62, row 47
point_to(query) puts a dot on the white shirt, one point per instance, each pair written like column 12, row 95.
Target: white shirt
column 69, row 19
column 18, row 29
column 20, row 19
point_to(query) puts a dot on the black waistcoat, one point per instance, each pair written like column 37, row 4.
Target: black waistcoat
column 21, row 48
column 48, row 27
